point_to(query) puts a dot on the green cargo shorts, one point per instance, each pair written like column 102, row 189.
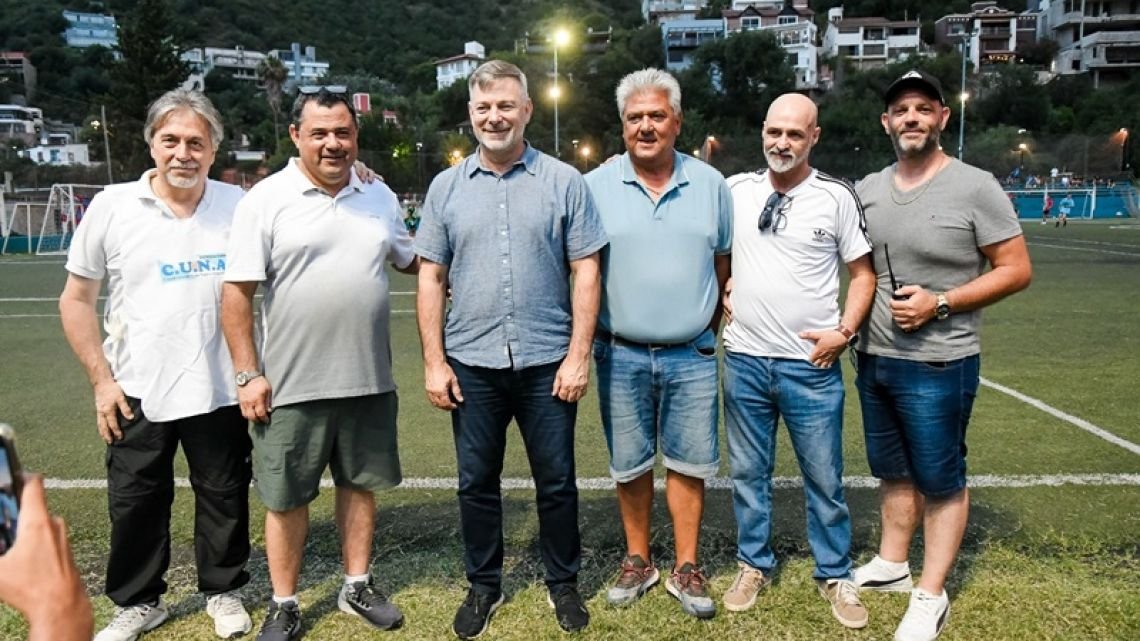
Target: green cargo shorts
column 355, row 437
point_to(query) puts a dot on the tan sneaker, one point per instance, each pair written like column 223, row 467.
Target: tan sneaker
column 748, row 583
column 844, row 599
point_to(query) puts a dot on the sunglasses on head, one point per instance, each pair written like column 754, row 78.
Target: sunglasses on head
column 312, row 90
column 773, row 212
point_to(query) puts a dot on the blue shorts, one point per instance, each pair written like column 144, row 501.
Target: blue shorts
column 915, row 415
column 666, row 393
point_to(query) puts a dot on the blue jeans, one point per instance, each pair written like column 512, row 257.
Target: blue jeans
column 757, row 392
column 914, row 419
column 492, row 397
column 668, row 393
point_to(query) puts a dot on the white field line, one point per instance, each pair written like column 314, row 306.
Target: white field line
column 55, row 299
column 1135, row 254
column 1068, row 418
column 719, row 483
column 1087, row 242
column 12, row 316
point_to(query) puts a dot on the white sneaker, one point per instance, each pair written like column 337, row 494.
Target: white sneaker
column 883, row 576
column 129, row 623
column 230, row 617
column 925, row 616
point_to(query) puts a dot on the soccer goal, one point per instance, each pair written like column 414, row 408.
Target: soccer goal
column 1029, row 202
column 61, row 215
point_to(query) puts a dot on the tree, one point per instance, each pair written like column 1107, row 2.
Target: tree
column 272, row 75
column 150, row 66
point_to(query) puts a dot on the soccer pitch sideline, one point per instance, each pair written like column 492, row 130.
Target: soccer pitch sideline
column 1051, row 552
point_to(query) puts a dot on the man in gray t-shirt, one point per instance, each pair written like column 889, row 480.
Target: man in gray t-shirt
column 935, row 223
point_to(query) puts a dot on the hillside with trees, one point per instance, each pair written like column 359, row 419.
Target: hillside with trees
column 386, row 48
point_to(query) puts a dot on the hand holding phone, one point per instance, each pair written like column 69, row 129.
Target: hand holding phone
column 11, row 485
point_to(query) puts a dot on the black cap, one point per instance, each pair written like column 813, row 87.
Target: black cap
column 917, row 80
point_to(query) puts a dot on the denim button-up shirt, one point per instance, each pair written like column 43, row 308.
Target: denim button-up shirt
column 508, row 241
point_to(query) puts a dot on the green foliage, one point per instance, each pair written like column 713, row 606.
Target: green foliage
column 149, row 67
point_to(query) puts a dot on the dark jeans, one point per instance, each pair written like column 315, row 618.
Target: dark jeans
column 140, row 490
column 492, row 397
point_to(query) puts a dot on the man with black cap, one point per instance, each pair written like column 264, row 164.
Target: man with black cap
column 935, row 223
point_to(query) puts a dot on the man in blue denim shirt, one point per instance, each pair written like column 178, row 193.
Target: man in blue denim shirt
column 504, row 230
column 669, row 220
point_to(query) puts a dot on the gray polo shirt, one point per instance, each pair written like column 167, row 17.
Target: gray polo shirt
column 508, row 241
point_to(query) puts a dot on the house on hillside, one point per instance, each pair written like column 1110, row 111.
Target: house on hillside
column 681, row 38
column 1104, row 40
column 870, row 42
column 451, row 70
column 90, row 29
column 792, row 24
column 993, row 35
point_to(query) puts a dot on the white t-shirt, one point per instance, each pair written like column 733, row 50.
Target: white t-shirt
column 786, row 278
column 164, row 340
column 322, row 260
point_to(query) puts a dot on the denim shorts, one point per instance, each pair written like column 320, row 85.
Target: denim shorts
column 659, row 394
column 915, row 415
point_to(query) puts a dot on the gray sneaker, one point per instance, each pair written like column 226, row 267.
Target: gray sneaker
column 282, row 622
column 635, row 579
column 365, row 601
column 689, row 585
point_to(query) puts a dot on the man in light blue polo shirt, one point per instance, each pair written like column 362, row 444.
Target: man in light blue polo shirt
column 504, row 230
column 669, row 220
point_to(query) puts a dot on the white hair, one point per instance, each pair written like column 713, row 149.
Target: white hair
column 649, row 79
column 177, row 99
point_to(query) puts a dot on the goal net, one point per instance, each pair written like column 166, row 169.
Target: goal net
column 60, row 215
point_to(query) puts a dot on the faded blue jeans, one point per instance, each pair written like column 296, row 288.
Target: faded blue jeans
column 757, row 392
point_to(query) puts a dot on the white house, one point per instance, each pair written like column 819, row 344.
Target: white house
column 870, row 42
column 451, row 70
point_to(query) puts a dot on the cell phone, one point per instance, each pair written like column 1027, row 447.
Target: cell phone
column 11, row 484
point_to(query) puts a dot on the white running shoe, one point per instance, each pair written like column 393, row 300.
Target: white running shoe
column 230, row 618
column 883, row 576
column 925, row 616
column 129, row 623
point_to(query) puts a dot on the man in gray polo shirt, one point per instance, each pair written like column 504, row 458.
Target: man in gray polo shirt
column 319, row 240
column 504, row 230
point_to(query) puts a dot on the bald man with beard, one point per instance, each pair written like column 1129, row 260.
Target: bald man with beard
column 786, row 332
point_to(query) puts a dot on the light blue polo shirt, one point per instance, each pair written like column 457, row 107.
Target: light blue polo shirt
column 658, row 279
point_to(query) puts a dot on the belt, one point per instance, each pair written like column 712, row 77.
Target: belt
column 603, row 335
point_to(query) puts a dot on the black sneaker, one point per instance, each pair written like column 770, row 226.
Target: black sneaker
column 472, row 617
column 569, row 608
column 365, row 601
column 282, row 623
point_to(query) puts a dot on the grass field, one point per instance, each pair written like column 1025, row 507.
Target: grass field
column 1052, row 550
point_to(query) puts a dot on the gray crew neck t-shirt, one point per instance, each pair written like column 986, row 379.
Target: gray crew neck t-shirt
column 934, row 233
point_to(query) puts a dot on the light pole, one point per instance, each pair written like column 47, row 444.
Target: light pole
column 585, row 153
column 420, row 162
column 102, row 124
column 709, row 142
column 1021, row 155
column 1124, row 149
column 560, row 38
column 966, row 37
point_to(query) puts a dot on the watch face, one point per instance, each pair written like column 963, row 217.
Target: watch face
column 242, row 378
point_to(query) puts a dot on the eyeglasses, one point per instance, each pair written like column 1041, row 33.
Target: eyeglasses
column 312, row 90
column 774, row 215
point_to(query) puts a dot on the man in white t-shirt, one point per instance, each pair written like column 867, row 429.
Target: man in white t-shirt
column 318, row 386
column 163, row 376
column 794, row 227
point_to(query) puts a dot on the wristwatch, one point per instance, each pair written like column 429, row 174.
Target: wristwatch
column 942, row 309
column 852, row 337
column 242, row 378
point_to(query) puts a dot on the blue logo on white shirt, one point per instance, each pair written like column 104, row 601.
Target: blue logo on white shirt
column 202, row 265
